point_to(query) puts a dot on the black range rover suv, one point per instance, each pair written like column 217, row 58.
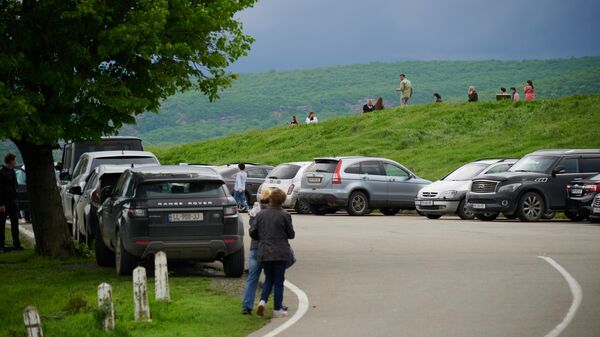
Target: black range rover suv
column 533, row 186
column 185, row 211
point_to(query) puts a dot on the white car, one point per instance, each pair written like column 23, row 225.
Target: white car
column 89, row 161
column 447, row 195
column 287, row 177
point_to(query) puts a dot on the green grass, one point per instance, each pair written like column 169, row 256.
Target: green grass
column 59, row 287
column 431, row 139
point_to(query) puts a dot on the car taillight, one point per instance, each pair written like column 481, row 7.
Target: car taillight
column 291, row 189
column 229, row 211
column 137, row 212
column 337, row 178
column 592, row 188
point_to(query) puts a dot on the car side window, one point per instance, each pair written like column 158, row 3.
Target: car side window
column 353, row 169
column 120, row 185
column 372, row 168
column 589, row 165
column 392, row 170
column 91, row 182
column 257, row 173
column 130, row 191
column 499, row 169
column 570, row 165
column 81, row 166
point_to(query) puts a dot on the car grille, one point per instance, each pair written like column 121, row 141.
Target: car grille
column 597, row 201
column 484, row 186
column 429, row 194
column 480, row 201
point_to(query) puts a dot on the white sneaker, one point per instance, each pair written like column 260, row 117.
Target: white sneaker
column 260, row 311
column 279, row 314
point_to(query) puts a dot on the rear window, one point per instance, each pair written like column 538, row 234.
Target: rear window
column 181, row 189
column 323, row 166
column 285, row 171
column 123, row 161
column 466, row 172
column 107, row 145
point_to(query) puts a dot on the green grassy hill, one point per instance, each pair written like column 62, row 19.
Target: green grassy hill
column 263, row 100
column 432, row 139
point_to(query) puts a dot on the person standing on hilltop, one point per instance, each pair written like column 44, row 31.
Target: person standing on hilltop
column 312, row 118
column 473, row 96
column 405, row 90
column 529, row 91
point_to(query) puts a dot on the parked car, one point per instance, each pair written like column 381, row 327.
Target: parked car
column 532, row 186
column 73, row 151
column 580, row 197
column 359, row 185
column 22, row 196
column 288, row 177
column 85, row 213
column 89, row 161
column 448, row 195
column 256, row 176
column 184, row 211
column 595, row 210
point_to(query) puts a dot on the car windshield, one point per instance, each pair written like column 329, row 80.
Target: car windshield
column 123, row 161
column 533, row 164
column 466, row 172
column 180, row 189
column 284, row 171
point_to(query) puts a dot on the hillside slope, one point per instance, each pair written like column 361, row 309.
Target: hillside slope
column 431, row 139
column 263, row 100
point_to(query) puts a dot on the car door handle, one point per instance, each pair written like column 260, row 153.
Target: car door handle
column 392, row 179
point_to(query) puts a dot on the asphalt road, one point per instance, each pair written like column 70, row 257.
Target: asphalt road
column 410, row 276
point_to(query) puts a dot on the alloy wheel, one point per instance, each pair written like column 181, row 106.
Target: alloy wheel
column 532, row 206
column 358, row 203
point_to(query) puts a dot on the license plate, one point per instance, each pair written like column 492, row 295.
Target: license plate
column 479, row 206
column 576, row 191
column 184, row 217
column 314, row 180
column 596, row 210
column 426, row 202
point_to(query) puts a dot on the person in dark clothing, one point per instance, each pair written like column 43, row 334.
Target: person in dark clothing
column 379, row 104
column 437, row 97
column 368, row 107
column 273, row 228
column 8, row 200
column 294, row 121
column 473, row 97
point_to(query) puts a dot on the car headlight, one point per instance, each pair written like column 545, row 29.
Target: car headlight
column 509, row 187
column 449, row 194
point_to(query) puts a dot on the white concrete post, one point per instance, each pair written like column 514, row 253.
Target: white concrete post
column 105, row 303
column 33, row 323
column 140, row 295
column 161, row 277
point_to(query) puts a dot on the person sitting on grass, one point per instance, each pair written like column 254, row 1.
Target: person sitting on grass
column 368, row 107
column 473, row 97
column 379, row 104
column 312, row 118
column 437, row 97
column 515, row 94
column 294, row 121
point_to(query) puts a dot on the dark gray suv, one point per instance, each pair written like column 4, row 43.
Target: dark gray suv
column 359, row 185
column 185, row 211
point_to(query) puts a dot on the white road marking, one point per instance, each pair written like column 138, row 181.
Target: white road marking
column 575, row 291
column 302, row 309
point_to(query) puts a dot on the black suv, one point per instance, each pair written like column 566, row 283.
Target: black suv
column 533, row 186
column 185, row 211
column 582, row 195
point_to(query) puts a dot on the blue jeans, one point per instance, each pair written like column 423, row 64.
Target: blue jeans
column 254, row 269
column 240, row 198
column 274, row 278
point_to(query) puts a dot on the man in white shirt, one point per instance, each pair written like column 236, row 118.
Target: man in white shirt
column 239, row 193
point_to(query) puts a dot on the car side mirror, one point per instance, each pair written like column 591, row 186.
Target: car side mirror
column 58, row 166
column 558, row 170
column 105, row 193
column 75, row 190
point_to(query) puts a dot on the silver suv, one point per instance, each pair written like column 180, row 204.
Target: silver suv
column 359, row 185
column 447, row 195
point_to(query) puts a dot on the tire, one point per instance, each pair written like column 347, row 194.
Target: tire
column 549, row 215
column 595, row 220
column 124, row 262
column 358, row 204
column 389, row 211
column 302, row 207
column 573, row 216
column 104, row 256
column 486, row 216
column 531, row 207
column 433, row 216
column 463, row 212
column 233, row 264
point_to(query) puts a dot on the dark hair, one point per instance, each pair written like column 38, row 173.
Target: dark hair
column 436, row 95
column 513, row 88
column 242, row 166
column 277, row 197
column 379, row 104
column 530, row 83
column 9, row 157
column 402, row 75
column 503, row 89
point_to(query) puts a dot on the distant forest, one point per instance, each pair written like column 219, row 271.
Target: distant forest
column 262, row 100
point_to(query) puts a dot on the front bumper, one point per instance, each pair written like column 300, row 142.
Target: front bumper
column 436, row 206
column 203, row 250
column 504, row 202
column 328, row 198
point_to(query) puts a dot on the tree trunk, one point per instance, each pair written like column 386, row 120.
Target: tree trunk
column 52, row 237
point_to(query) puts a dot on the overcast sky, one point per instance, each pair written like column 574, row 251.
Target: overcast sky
column 295, row 34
